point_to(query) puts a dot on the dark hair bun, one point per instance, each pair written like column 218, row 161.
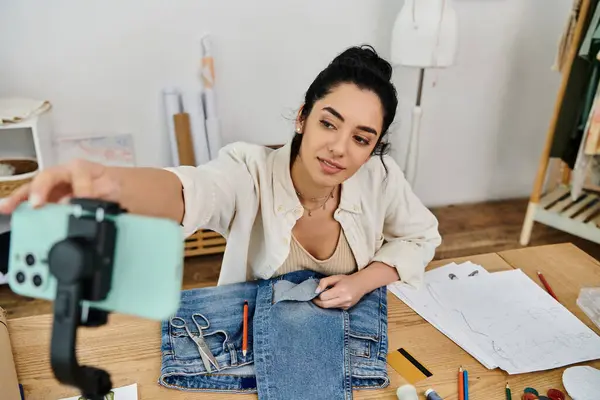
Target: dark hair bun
column 364, row 57
column 360, row 66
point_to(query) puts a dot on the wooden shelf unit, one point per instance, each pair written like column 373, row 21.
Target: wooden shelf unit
column 554, row 206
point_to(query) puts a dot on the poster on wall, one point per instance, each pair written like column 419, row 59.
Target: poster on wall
column 113, row 150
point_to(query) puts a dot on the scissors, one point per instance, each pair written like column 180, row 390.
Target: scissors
column 205, row 353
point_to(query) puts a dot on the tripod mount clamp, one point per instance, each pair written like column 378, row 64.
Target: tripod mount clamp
column 82, row 264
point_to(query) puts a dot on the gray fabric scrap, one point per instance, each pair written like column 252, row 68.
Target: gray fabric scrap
column 286, row 290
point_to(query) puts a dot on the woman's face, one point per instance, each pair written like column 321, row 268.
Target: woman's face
column 340, row 133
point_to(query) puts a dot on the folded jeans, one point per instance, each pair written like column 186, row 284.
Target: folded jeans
column 296, row 350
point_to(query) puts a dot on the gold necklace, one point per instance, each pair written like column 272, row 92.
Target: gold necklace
column 310, row 210
column 313, row 198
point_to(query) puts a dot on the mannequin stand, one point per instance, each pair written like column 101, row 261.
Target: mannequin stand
column 82, row 264
column 412, row 155
column 425, row 35
column 420, row 87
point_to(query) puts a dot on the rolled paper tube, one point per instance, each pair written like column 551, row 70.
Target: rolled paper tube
column 185, row 144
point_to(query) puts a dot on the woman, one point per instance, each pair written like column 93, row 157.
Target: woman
column 329, row 200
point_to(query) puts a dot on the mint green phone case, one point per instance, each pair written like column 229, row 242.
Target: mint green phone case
column 147, row 269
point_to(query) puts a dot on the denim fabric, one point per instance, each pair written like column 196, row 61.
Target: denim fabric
column 296, row 350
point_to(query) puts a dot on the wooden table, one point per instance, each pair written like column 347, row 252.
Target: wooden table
column 129, row 347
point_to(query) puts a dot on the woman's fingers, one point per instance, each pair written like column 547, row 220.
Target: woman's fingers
column 328, row 281
column 10, row 203
column 338, row 302
column 333, row 303
column 77, row 175
column 328, row 299
column 45, row 182
column 79, row 178
column 330, row 294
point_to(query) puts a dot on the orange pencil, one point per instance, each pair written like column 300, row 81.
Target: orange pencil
column 461, row 384
column 245, row 339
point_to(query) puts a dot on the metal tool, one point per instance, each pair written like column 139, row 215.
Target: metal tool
column 207, row 357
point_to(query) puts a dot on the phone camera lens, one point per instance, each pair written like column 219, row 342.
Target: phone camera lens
column 37, row 280
column 29, row 259
column 20, row 277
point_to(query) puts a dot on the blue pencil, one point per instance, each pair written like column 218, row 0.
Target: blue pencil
column 466, row 384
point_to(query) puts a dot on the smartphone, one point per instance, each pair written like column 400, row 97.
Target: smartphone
column 147, row 267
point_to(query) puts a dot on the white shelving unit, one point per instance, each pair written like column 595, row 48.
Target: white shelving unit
column 29, row 138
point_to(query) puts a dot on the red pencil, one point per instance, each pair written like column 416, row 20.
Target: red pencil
column 245, row 337
column 546, row 285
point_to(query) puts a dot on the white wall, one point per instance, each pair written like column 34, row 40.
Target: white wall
column 103, row 66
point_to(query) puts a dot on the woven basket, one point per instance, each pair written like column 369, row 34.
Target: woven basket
column 25, row 170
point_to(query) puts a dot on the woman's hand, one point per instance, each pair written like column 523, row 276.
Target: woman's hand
column 345, row 291
column 79, row 178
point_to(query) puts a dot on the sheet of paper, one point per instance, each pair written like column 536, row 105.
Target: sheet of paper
column 454, row 271
column 517, row 323
column 122, row 393
column 422, row 301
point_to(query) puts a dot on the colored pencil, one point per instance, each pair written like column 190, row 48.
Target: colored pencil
column 546, row 285
column 507, row 391
column 245, row 328
column 461, row 384
column 466, row 384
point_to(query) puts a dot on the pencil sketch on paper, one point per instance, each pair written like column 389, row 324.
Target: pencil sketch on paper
column 518, row 324
column 117, row 150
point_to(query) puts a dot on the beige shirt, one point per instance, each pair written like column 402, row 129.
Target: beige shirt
column 246, row 194
column 341, row 261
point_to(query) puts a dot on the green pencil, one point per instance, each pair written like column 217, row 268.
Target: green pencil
column 507, row 390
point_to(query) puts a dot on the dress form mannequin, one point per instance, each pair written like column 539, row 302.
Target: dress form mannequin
column 425, row 35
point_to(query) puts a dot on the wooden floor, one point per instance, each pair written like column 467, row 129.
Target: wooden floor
column 467, row 229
